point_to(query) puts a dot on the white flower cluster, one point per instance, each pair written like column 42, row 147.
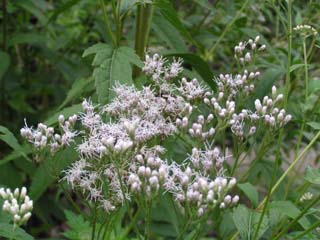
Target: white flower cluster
column 122, row 158
column 155, row 67
column 45, row 136
column 306, row 197
column 17, row 204
column 200, row 193
column 306, row 30
column 244, row 51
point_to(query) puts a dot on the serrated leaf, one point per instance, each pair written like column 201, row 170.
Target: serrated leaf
column 95, row 49
column 168, row 12
column 312, row 175
column 10, row 139
column 6, row 230
column 249, row 190
column 4, row 63
column 79, row 228
column 112, row 65
column 168, row 33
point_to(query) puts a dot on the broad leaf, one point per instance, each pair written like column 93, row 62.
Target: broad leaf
column 246, row 222
column 10, row 139
column 111, row 65
column 290, row 210
column 249, row 190
column 77, row 88
column 168, row 33
column 168, row 12
column 79, row 228
column 67, row 112
column 312, row 175
column 6, row 230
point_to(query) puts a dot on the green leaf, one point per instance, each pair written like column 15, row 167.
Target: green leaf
column 290, row 210
column 10, row 139
column 27, row 38
column 170, row 14
column 4, row 63
column 249, row 190
column 267, row 80
column 33, row 9
column 199, row 65
column 50, row 171
column 312, row 175
column 168, row 33
column 67, row 112
column 18, row 234
column 112, row 65
column 314, row 125
column 79, row 228
column 296, row 66
column 77, row 88
column 65, row 6
column 246, row 222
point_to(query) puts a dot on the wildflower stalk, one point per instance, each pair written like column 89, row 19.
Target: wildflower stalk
column 289, row 33
column 105, row 17
column 274, row 173
column 143, row 23
column 4, row 46
column 306, row 76
column 227, row 29
column 94, row 222
column 306, row 68
column 297, row 218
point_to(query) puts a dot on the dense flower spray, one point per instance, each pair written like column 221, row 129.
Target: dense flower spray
column 122, row 159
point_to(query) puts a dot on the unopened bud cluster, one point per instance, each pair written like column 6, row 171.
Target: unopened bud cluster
column 306, row 197
column 17, row 204
column 244, row 51
column 45, row 137
column 306, row 30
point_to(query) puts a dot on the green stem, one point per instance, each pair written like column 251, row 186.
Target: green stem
column 305, row 57
column 94, row 222
column 274, row 174
column 289, row 32
column 68, row 196
column 227, row 29
column 143, row 23
column 118, row 24
column 126, row 200
column 297, row 218
column 147, row 219
column 4, row 47
column 289, row 169
column 313, row 226
column 105, row 16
